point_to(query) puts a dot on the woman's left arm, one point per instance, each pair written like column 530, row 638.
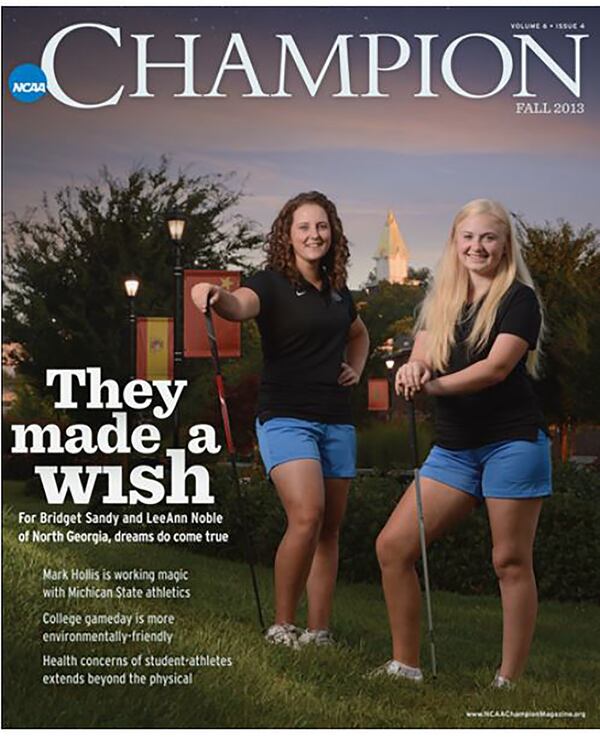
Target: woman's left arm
column 357, row 352
column 504, row 355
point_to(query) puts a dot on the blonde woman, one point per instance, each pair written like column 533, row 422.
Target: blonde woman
column 476, row 349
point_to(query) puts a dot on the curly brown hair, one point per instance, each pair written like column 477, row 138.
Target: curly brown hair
column 280, row 254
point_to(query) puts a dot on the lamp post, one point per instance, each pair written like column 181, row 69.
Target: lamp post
column 176, row 224
column 400, row 348
column 390, row 363
column 132, row 285
column 403, row 351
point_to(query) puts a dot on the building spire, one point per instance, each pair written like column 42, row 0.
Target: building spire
column 392, row 253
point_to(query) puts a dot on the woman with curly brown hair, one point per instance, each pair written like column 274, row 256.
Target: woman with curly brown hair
column 314, row 348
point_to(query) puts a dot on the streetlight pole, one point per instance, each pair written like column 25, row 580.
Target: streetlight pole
column 132, row 285
column 390, row 364
column 131, row 288
column 176, row 225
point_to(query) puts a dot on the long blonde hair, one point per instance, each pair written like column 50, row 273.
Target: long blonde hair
column 446, row 300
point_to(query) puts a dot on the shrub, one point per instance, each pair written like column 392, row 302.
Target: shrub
column 567, row 548
column 386, row 445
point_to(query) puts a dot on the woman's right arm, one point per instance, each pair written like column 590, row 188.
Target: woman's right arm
column 240, row 305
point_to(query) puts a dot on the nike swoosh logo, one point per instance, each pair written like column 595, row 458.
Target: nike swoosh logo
column 300, row 293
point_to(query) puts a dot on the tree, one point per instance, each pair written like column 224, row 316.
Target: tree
column 65, row 265
column 383, row 306
column 387, row 310
column 565, row 264
column 424, row 276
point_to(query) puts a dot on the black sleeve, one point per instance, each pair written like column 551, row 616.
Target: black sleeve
column 351, row 305
column 260, row 283
column 521, row 315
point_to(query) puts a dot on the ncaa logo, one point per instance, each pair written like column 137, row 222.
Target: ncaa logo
column 27, row 83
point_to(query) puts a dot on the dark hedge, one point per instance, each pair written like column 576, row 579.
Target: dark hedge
column 567, row 547
column 566, row 554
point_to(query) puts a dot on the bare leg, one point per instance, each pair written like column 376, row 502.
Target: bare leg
column 323, row 573
column 513, row 524
column 398, row 549
column 299, row 484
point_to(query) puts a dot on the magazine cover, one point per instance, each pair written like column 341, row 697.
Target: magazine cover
column 301, row 331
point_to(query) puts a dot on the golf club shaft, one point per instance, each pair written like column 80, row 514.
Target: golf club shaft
column 425, row 571
column 248, row 547
column 422, row 540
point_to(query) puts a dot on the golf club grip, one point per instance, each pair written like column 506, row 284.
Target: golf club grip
column 212, row 339
column 224, row 413
column 214, row 351
column 412, row 423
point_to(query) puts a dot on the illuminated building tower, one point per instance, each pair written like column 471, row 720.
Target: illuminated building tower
column 392, row 254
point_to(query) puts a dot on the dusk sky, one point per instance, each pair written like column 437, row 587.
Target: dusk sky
column 422, row 158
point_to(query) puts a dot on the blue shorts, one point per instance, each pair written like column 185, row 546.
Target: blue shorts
column 511, row 469
column 284, row 438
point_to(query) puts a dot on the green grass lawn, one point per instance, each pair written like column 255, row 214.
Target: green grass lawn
column 272, row 687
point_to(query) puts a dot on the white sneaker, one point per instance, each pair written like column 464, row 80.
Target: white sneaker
column 318, row 637
column 396, row 669
column 501, row 682
column 283, row 633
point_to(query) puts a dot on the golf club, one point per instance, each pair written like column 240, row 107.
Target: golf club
column 248, row 548
column 413, row 439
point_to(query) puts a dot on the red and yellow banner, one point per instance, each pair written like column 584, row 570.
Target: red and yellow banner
column 154, row 358
column 195, row 340
column 379, row 394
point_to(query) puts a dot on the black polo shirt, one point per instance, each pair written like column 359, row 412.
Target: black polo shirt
column 508, row 410
column 304, row 334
